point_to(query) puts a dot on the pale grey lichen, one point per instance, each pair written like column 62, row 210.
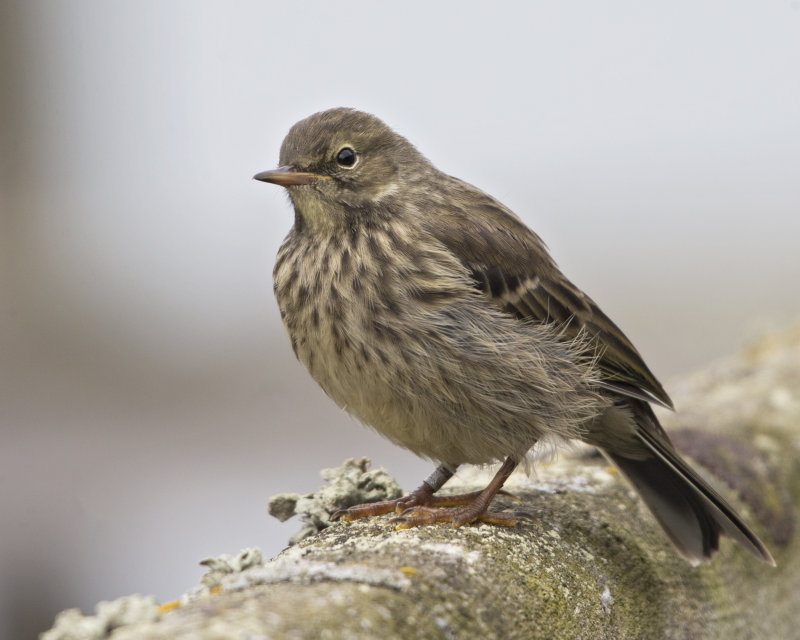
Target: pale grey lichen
column 71, row 624
column 350, row 484
column 607, row 600
column 305, row 571
column 225, row 565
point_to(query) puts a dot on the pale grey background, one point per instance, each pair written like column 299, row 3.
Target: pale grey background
column 149, row 403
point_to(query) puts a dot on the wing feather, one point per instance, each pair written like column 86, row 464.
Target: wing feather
column 511, row 265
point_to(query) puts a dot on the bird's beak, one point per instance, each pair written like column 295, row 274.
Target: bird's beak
column 288, row 176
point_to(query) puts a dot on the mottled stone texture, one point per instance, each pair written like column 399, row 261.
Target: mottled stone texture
column 591, row 563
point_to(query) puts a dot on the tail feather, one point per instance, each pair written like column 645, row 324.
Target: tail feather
column 690, row 511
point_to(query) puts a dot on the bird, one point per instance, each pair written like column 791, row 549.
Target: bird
column 428, row 310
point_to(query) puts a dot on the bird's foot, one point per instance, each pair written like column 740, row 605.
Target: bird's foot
column 420, row 516
column 422, row 507
column 421, row 498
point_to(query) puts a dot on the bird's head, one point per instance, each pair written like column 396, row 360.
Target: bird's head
column 339, row 162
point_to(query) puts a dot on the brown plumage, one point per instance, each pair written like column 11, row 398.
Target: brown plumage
column 428, row 310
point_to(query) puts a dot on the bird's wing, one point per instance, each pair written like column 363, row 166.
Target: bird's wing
column 513, row 268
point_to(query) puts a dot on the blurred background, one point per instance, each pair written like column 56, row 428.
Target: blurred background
column 149, row 401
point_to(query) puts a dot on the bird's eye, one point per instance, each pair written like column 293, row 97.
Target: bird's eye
column 346, row 157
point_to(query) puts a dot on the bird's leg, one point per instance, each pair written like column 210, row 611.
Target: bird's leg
column 476, row 507
column 422, row 496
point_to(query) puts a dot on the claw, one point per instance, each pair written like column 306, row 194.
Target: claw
column 510, row 495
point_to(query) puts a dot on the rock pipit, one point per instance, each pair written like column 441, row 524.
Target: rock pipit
column 428, row 310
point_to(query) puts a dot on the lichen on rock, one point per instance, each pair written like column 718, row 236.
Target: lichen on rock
column 349, row 484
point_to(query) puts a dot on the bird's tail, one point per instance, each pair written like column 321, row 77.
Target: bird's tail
column 691, row 513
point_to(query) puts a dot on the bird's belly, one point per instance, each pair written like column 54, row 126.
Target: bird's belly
column 367, row 376
column 446, row 376
column 339, row 330
column 401, row 385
